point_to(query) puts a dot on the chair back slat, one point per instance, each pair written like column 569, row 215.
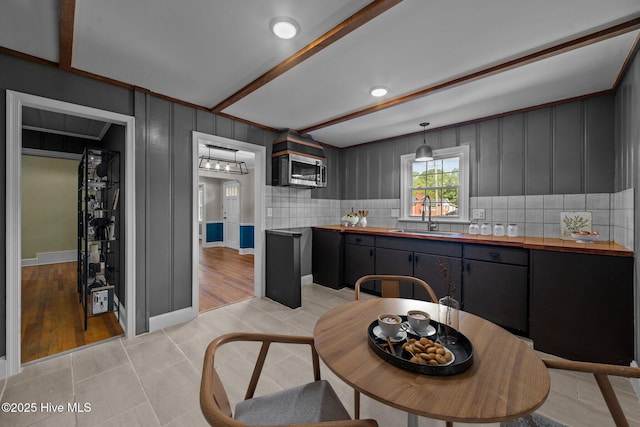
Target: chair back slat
column 391, row 285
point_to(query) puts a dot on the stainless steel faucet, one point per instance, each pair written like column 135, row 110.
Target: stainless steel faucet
column 424, row 200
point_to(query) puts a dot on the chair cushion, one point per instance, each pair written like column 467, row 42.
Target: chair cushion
column 533, row 420
column 309, row 403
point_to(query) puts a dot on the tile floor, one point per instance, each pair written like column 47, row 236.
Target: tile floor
column 153, row 379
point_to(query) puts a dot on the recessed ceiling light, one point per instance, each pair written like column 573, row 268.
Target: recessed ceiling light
column 284, row 27
column 379, row 91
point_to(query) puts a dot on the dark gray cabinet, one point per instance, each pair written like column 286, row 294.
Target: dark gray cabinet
column 423, row 259
column 496, row 285
column 359, row 261
column 582, row 306
column 327, row 258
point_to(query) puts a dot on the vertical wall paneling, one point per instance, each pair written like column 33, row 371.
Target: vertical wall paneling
column 488, row 159
column 362, row 171
column 448, row 137
column 538, row 153
column 467, row 136
column 158, row 221
column 205, row 122
column 141, row 111
column 568, row 149
column 598, row 133
column 375, row 169
column 224, row 127
column 351, row 174
column 512, row 156
column 389, row 171
column 182, row 217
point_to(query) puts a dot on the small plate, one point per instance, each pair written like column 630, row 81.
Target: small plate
column 408, row 356
column 378, row 333
column 430, row 330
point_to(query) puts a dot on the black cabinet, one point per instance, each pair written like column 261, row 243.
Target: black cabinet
column 582, row 306
column 283, row 267
column 496, row 285
column 424, row 259
column 327, row 258
column 359, row 261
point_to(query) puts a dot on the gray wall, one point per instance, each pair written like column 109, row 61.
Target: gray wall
column 627, row 150
column 163, row 176
column 565, row 149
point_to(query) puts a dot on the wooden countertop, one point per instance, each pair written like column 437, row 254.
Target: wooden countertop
column 550, row 244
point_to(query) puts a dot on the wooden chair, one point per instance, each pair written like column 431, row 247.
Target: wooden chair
column 390, row 289
column 310, row 405
column 391, row 285
column 601, row 372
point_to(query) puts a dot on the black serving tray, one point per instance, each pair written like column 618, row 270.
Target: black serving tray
column 462, row 350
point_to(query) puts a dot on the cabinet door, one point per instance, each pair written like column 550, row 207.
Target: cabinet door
column 358, row 262
column 430, row 267
column 497, row 292
column 326, row 258
column 582, row 306
column 391, row 261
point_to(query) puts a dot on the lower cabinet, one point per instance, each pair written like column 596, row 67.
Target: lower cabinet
column 359, row 261
column 396, row 262
column 327, row 258
column 442, row 273
column 582, row 306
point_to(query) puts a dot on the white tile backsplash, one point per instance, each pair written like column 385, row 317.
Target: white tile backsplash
column 535, row 215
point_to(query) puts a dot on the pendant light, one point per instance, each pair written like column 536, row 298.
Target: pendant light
column 208, row 164
column 424, row 152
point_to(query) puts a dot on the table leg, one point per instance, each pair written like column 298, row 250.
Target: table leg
column 412, row 420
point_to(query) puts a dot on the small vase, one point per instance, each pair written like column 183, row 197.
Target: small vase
column 449, row 317
column 363, row 221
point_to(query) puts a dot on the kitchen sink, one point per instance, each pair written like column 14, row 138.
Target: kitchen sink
column 426, row 233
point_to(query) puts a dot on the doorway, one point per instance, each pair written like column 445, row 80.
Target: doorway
column 15, row 102
column 257, row 181
column 231, row 215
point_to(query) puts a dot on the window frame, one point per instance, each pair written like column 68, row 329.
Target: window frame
column 461, row 151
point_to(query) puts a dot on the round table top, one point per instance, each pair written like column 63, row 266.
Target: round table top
column 507, row 379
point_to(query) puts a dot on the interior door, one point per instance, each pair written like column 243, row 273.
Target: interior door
column 231, row 214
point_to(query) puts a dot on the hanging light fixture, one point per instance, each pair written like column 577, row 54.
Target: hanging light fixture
column 217, row 165
column 234, row 166
column 208, row 164
column 424, row 152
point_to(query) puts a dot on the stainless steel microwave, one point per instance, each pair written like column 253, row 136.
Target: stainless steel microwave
column 298, row 171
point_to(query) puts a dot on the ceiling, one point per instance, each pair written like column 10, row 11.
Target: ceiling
column 445, row 62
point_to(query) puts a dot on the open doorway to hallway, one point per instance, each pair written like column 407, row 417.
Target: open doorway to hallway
column 226, row 226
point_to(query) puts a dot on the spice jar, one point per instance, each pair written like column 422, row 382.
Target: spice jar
column 512, row 230
column 498, row 230
column 474, row 228
column 485, row 229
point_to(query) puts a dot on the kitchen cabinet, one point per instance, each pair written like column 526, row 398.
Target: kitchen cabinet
column 496, row 285
column 422, row 259
column 327, row 258
column 359, row 261
column 582, row 306
column 283, row 267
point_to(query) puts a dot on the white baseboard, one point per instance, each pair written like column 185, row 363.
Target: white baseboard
column 172, row 318
column 43, row 258
column 635, row 382
column 212, row 244
column 245, row 251
column 306, row 280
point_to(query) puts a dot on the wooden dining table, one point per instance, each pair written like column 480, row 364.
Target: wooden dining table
column 507, row 379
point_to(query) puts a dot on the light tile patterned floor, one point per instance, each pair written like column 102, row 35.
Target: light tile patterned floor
column 153, row 379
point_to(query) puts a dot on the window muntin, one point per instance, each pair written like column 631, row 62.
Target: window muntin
column 444, row 179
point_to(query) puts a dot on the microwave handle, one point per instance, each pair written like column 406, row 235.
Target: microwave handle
column 318, row 172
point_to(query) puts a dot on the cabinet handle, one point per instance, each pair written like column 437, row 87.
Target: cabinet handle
column 495, row 256
column 358, row 239
column 410, row 255
column 416, row 258
column 469, row 268
column 370, row 252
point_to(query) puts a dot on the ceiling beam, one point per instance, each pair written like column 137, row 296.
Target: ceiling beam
column 598, row 36
column 67, row 23
column 350, row 24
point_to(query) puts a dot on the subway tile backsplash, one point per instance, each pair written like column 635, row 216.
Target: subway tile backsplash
column 536, row 216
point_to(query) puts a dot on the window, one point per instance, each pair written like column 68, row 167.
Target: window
column 445, row 179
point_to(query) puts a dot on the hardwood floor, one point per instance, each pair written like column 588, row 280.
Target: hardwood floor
column 225, row 277
column 52, row 316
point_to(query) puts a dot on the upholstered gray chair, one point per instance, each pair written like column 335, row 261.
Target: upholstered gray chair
column 310, row 405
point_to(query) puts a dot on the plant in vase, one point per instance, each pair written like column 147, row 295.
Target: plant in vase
column 448, row 309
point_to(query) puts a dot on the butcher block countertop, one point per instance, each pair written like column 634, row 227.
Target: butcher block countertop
column 550, row 244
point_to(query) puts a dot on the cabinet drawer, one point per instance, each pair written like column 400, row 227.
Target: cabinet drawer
column 426, row 246
column 498, row 254
column 359, row 239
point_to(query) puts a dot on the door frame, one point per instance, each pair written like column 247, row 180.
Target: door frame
column 259, row 182
column 202, row 225
column 225, row 241
column 14, row 102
